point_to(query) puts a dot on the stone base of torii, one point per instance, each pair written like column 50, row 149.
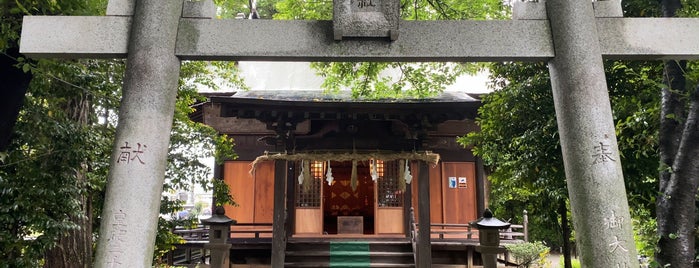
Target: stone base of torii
column 572, row 36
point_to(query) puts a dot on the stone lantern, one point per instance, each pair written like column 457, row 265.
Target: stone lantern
column 489, row 238
column 219, row 232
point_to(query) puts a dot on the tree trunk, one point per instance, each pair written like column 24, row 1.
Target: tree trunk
column 565, row 232
column 679, row 173
column 14, row 83
column 676, row 209
column 74, row 250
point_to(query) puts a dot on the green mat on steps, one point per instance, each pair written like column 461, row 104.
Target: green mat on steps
column 349, row 254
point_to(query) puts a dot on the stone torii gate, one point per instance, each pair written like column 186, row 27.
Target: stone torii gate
column 573, row 37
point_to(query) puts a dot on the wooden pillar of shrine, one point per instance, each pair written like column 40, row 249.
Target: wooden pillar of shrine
column 407, row 206
column 279, row 218
column 424, row 247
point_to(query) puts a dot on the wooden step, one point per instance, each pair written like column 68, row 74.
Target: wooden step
column 390, row 253
column 348, row 253
column 319, row 264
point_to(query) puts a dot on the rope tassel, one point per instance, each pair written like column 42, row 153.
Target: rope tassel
column 373, row 171
column 401, row 174
column 354, row 181
column 408, row 177
column 307, row 176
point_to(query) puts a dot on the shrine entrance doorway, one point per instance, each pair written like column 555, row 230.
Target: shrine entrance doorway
column 348, row 209
column 347, row 206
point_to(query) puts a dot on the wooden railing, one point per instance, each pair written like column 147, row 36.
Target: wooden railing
column 466, row 231
column 192, row 250
column 239, row 230
column 467, row 234
column 516, row 232
column 251, row 230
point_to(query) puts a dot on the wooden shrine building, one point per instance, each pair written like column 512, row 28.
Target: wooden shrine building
column 328, row 167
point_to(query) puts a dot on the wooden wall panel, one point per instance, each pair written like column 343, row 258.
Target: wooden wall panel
column 308, row 221
column 436, row 199
column 413, row 186
column 436, row 209
column 389, row 221
column 264, row 192
column 460, row 203
column 237, row 175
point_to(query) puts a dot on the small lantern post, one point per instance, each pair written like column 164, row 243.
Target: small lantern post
column 219, row 232
column 489, row 238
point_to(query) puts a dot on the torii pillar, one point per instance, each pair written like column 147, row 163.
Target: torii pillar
column 139, row 158
column 588, row 142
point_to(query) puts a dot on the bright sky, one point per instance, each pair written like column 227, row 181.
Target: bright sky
column 298, row 75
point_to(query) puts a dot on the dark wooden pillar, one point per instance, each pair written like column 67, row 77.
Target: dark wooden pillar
column 480, row 186
column 290, row 198
column 424, row 246
column 407, row 204
column 279, row 218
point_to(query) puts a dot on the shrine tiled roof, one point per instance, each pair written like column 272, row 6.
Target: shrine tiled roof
column 341, row 96
column 300, row 105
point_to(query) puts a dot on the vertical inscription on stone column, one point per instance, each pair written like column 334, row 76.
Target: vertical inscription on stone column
column 119, row 229
column 602, row 154
column 614, row 221
column 616, row 246
column 129, row 154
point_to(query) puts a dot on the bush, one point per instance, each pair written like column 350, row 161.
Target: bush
column 575, row 263
column 529, row 253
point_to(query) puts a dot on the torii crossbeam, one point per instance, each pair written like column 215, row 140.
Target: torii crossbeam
column 155, row 35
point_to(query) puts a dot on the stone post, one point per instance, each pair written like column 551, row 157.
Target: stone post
column 525, row 225
column 219, row 232
column 138, row 162
column 489, row 238
column 588, row 141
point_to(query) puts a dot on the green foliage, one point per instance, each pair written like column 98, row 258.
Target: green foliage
column 191, row 143
column 529, row 253
column 58, row 157
column 519, row 140
column 303, row 10
column 222, row 194
column 371, row 80
column 165, row 239
column 575, row 263
column 228, row 9
column 375, row 80
column 11, row 12
column 55, row 169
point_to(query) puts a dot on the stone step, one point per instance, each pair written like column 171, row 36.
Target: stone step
column 348, row 253
column 348, row 265
column 363, row 254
